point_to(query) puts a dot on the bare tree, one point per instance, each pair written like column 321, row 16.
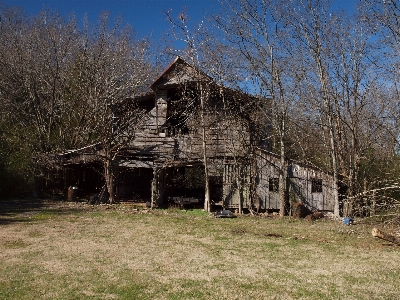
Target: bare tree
column 181, row 32
column 318, row 66
column 309, row 22
column 254, row 28
column 110, row 70
column 226, row 114
column 338, row 58
column 64, row 87
column 36, row 55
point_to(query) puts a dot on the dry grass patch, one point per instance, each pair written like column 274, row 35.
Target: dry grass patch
column 76, row 251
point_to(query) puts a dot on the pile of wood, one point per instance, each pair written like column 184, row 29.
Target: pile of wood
column 315, row 216
column 301, row 211
column 386, row 236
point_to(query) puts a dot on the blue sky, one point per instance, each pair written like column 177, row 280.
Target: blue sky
column 145, row 16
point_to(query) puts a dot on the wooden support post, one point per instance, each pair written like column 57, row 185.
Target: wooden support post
column 160, row 184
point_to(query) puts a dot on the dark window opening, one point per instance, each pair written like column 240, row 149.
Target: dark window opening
column 134, row 184
column 274, row 185
column 316, row 185
column 185, row 181
column 147, row 104
column 216, row 188
column 179, row 109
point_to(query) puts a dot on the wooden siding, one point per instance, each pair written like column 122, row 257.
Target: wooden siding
column 231, row 193
column 267, row 169
column 301, row 180
column 298, row 184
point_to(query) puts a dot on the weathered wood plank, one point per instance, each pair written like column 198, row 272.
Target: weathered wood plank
column 386, row 236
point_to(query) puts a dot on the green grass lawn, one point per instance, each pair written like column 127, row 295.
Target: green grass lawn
column 76, row 251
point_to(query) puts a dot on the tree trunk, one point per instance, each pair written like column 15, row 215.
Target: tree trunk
column 206, row 177
column 283, row 205
column 254, row 201
column 328, row 108
column 336, row 207
column 109, row 176
column 154, row 188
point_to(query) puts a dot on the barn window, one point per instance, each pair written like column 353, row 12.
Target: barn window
column 274, row 185
column 316, row 185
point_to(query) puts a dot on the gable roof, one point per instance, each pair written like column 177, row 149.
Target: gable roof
column 190, row 74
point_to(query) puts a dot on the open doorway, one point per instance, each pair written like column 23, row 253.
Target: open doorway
column 185, row 185
column 134, row 184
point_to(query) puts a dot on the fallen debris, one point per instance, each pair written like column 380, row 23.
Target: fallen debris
column 239, row 231
column 224, row 214
column 277, row 235
column 315, row 216
column 300, row 210
column 386, row 236
column 332, row 216
column 348, row 221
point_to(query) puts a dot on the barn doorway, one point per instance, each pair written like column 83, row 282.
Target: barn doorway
column 134, row 184
column 185, row 185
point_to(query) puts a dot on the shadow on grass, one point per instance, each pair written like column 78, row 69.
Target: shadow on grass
column 9, row 206
column 28, row 210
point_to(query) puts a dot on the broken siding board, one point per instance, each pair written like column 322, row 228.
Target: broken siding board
column 135, row 164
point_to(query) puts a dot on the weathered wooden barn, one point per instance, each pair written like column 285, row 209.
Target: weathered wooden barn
column 189, row 118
